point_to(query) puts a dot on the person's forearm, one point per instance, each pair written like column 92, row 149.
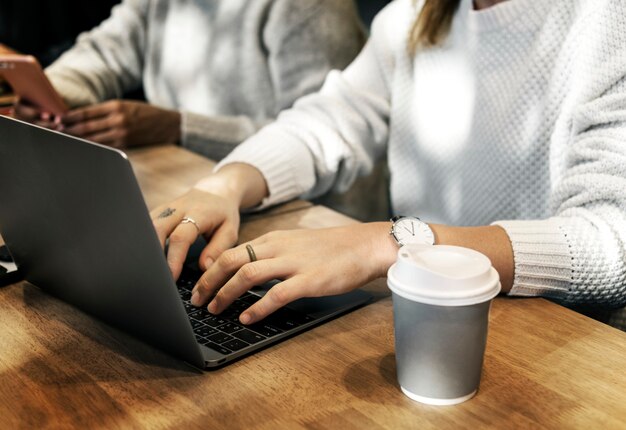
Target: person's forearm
column 489, row 240
column 240, row 181
column 171, row 122
column 216, row 136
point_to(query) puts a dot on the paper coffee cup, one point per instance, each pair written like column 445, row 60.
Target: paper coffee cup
column 441, row 298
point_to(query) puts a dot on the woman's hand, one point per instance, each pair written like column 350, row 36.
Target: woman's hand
column 25, row 111
column 213, row 216
column 311, row 263
column 123, row 123
column 212, row 210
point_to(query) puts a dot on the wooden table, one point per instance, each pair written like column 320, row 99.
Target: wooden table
column 545, row 367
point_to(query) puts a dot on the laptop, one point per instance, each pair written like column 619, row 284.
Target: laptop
column 77, row 226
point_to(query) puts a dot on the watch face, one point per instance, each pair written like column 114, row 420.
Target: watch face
column 412, row 230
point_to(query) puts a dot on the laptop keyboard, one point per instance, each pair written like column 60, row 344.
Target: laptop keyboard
column 223, row 333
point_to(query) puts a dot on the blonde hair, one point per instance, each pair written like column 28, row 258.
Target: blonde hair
column 432, row 24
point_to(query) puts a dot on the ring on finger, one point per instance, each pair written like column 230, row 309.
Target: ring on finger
column 189, row 220
column 251, row 253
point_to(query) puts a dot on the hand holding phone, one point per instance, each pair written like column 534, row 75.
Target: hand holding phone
column 31, row 85
column 25, row 111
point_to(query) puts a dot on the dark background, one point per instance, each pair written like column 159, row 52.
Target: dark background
column 46, row 29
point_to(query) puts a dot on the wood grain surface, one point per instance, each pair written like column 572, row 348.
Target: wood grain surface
column 545, row 367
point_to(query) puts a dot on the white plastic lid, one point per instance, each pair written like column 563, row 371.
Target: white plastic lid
column 443, row 275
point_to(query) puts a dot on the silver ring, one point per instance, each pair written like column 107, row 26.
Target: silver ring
column 189, row 220
column 251, row 253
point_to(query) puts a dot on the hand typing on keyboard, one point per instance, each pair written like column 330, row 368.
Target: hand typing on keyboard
column 312, row 263
column 224, row 333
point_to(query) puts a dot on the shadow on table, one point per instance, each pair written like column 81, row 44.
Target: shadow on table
column 363, row 379
column 105, row 344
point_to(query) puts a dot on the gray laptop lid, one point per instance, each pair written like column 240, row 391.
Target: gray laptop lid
column 75, row 220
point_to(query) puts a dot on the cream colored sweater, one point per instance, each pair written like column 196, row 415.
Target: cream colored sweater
column 519, row 119
column 229, row 66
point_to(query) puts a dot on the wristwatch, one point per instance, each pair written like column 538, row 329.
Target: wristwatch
column 410, row 229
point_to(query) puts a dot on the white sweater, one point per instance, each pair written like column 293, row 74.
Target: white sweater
column 519, row 119
column 229, row 66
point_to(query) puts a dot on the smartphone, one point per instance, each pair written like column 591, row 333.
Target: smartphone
column 30, row 83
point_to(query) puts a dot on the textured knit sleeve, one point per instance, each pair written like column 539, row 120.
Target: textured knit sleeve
column 105, row 62
column 579, row 255
column 328, row 138
column 305, row 39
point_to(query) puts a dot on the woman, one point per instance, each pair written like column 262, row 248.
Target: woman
column 504, row 124
column 213, row 71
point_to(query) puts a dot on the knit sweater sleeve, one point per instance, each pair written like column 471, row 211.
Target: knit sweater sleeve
column 304, row 40
column 105, row 62
column 327, row 139
column 579, row 255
